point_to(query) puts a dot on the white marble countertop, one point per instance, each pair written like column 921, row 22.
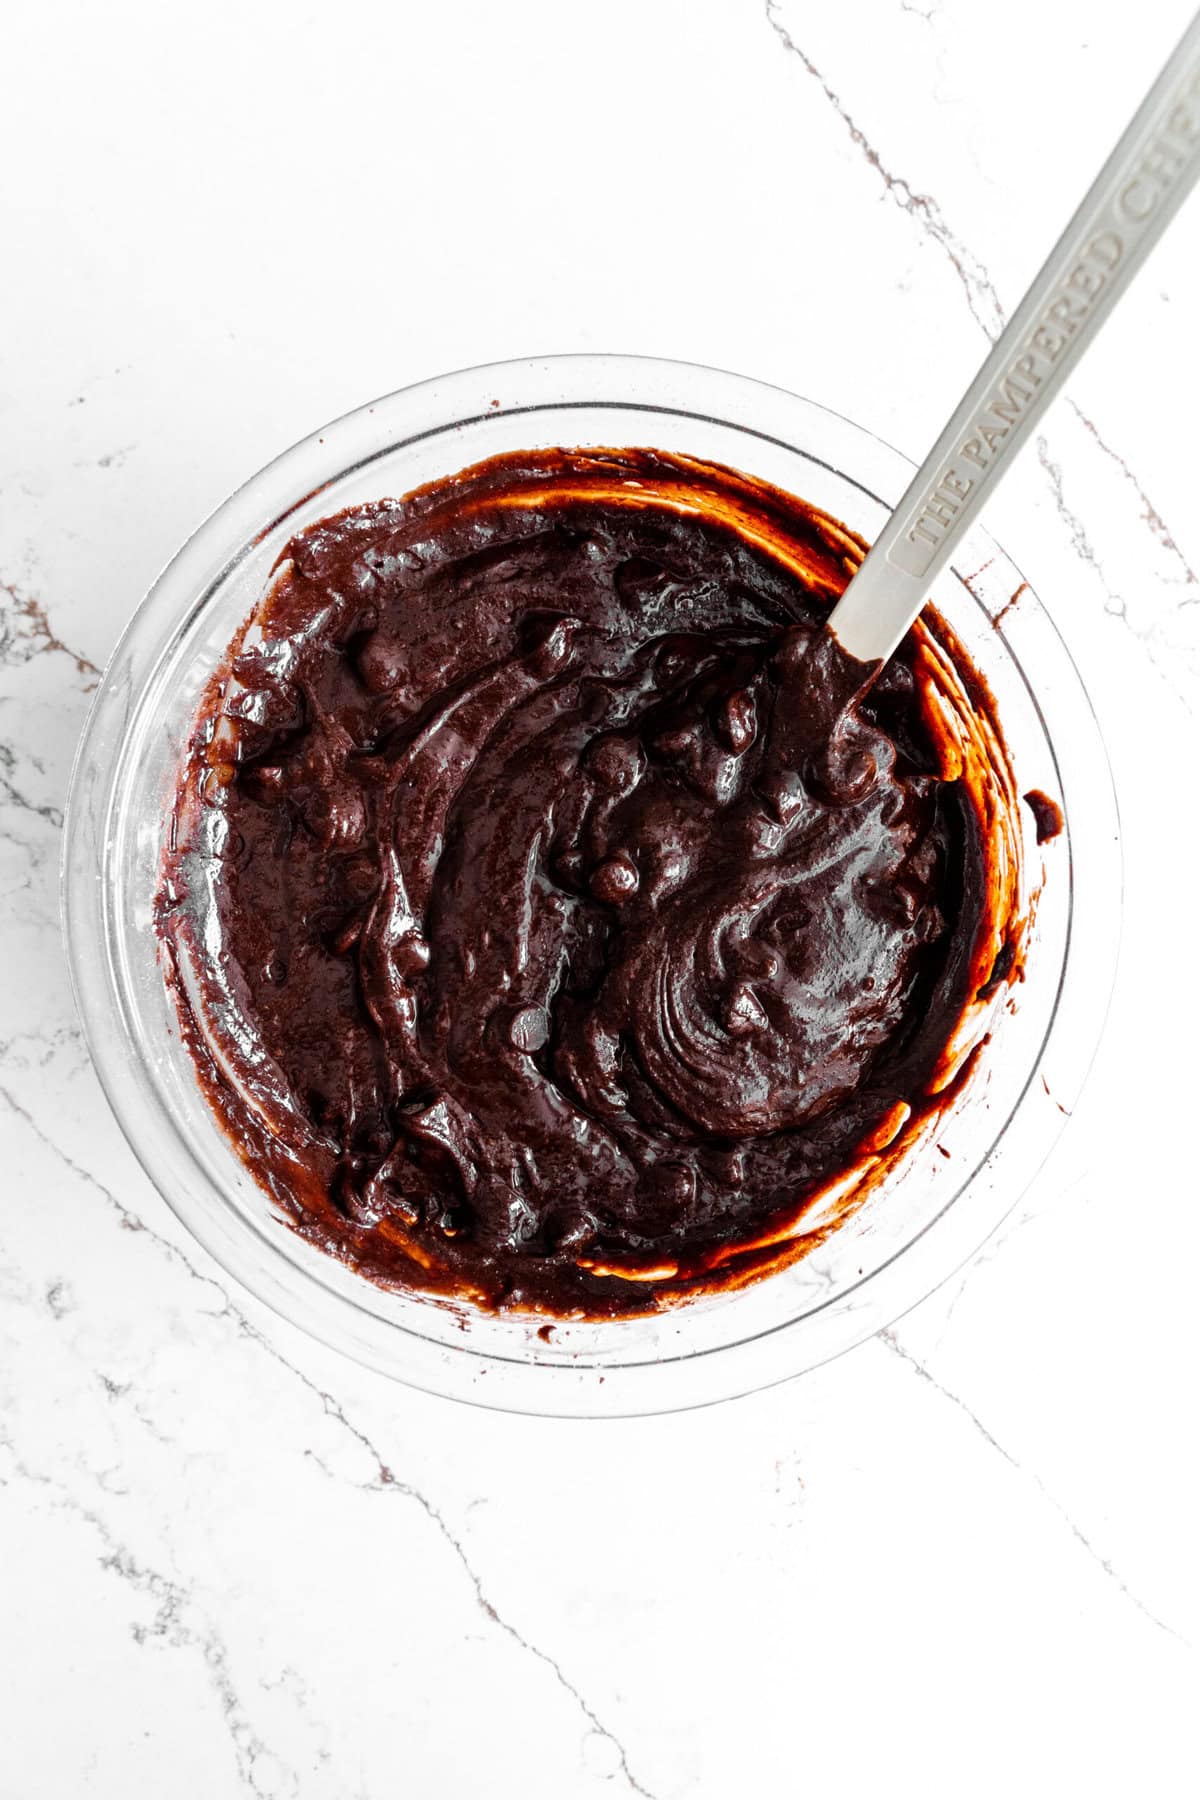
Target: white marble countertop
column 959, row 1561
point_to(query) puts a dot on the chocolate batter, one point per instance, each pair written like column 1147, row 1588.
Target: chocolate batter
column 550, row 917
column 1047, row 815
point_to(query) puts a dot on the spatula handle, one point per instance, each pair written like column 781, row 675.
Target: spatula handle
column 1123, row 214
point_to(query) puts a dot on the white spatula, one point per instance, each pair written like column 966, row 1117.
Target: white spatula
column 1123, row 214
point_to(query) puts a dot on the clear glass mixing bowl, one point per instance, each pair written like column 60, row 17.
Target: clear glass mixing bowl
column 915, row 1229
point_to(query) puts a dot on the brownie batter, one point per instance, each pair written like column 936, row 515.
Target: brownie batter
column 551, row 914
column 1047, row 815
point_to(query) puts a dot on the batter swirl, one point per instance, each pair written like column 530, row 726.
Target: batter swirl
column 551, row 916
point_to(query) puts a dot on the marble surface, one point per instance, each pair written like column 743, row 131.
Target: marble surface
column 959, row 1561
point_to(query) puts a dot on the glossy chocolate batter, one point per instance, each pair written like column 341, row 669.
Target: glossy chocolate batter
column 1047, row 815
column 549, row 920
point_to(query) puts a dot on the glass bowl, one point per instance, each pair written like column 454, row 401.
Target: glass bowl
column 915, row 1229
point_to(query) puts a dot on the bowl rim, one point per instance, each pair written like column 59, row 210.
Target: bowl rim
column 434, row 407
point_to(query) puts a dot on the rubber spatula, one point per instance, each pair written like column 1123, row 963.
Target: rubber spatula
column 1128, row 206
